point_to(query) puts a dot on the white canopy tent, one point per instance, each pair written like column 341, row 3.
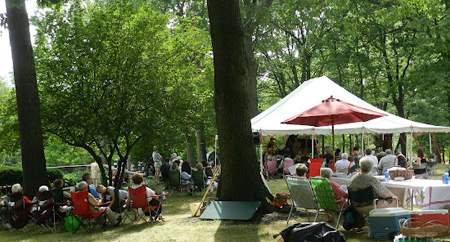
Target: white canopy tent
column 311, row 93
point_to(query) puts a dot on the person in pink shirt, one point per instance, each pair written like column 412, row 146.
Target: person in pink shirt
column 339, row 194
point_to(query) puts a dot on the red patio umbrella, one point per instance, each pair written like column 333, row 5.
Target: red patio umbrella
column 333, row 111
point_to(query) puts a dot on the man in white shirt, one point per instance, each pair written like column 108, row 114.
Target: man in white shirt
column 386, row 162
column 343, row 164
column 368, row 152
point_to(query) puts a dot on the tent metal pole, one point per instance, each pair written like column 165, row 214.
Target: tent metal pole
column 261, row 158
column 410, row 147
column 312, row 146
column 362, row 141
column 429, row 138
column 323, row 144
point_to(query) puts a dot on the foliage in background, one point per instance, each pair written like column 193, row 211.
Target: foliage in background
column 13, row 175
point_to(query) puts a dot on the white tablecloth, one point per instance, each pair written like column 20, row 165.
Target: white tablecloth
column 434, row 194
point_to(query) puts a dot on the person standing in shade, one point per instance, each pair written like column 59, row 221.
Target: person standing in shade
column 95, row 174
column 157, row 162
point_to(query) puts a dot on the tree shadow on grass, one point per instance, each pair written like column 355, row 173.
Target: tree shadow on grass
column 236, row 231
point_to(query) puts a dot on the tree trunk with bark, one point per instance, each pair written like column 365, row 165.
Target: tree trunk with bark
column 252, row 70
column 189, row 151
column 240, row 176
column 32, row 148
column 201, row 146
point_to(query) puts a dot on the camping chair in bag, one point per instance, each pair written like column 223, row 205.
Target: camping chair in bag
column 302, row 195
column 199, row 181
column 325, row 197
column 88, row 219
column 139, row 201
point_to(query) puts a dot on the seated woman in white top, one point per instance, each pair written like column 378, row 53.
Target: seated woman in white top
column 152, row 198
column 343, row 164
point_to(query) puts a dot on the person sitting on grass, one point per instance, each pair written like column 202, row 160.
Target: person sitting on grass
column 110, row 215
column 152, row 198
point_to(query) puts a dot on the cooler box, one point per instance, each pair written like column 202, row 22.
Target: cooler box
column 385, row 223
column 429, row 215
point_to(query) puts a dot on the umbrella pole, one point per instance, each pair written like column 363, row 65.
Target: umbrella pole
column 334, row 152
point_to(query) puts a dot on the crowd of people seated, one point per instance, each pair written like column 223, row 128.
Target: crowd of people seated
column 13, row 216
column 361, row 168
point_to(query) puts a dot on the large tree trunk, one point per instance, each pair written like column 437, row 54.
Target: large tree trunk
column 252, row 70
column 189, row 151
column 201, row 146
column 240, row 177
column 32, row 148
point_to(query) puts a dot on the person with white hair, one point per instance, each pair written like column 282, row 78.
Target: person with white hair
column 386, row 162
column 342, row 165
column 364, row 180
column 368, row 153
column 110, row 215
column 338, row 192
column 173, row 157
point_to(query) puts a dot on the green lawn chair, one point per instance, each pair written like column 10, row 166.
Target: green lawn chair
column 199, row 181
column 175, row 181
column 325, row 197
column 302, row 195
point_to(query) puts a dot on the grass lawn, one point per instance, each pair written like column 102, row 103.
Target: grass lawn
column 180, row 226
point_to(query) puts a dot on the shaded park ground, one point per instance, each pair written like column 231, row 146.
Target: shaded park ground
column 179, row 225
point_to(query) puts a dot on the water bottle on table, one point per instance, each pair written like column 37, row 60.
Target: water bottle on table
column 386, row 176
column 446, row 177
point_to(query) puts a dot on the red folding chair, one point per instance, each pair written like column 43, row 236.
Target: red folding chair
column 139, row 201
column 80, row 201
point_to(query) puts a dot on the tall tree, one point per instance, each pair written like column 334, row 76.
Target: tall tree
column 232, row 109
column 32, row 148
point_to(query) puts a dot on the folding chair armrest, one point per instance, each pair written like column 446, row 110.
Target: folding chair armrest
column 342, row 205
column 101, row 204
